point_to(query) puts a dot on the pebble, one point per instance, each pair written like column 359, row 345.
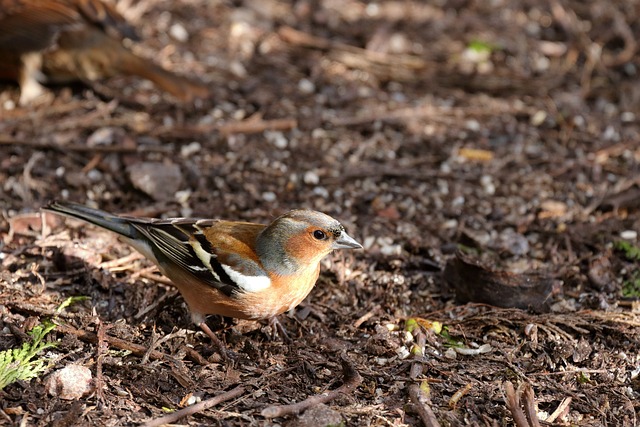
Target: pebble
column 629, row 235
column 158, row 179
column 178, row 32
column 513, row 242
column 269, row 196
column 311, row 178
column 318, row 415
column 472, row 125
column 627, row 117
column 70, row 383
column 190, row 149
column 193, row 400
column 321, row 192
column 538, row 118
column 306, row 86
column 105, row 136
column 487, row 185
column 277, row 139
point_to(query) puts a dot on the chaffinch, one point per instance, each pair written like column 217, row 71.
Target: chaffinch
column 236, row 269
column 61, row 41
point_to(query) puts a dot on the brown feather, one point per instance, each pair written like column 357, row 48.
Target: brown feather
column 68, row 40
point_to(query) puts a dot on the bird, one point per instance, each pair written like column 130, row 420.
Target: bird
column 236, row 269
column 61, row 41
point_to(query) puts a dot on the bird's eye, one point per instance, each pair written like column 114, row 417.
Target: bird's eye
column 319, row 235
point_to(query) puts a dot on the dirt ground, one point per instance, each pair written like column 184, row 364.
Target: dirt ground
column 485, row 153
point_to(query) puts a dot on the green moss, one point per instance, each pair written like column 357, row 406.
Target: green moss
column 631, row 287
column 631, row 252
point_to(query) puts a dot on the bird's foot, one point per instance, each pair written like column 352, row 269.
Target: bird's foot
column 226, row 354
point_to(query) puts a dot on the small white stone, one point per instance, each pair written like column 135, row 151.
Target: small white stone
column 239, row 114
column 488, row 185
column 403, row 352
column 318, row 133
column 472, row 125
column 193, row 399
column 381, row 361
column 368, row 242
column 611, row 134
column 238, row 69
column 269, row 196
column 277, row 138
column 306, row 86
column 372, row 9
column 458, row 201
column 190, row 149
column 178, row 32
column 321, row 192
column 94, row 175
column 629, row 235
column 445, row 168
column 450, row 224
column 183, row 196
column 627, row 117
column 311, row 178
column 538, row 118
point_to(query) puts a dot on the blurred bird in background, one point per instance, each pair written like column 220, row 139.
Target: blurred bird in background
column 60, row 41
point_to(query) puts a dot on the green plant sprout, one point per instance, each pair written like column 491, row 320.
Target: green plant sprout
column 16, row 363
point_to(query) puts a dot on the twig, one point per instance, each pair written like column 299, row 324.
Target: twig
column 194, row 409
column 82, row 148
column 42, row 311
column 512, row 400
column 560, row 410
column 137, row 349
column 155, row 342
column 422, row 407
column 102, row 349
column 94, row 162
column 351, row 381
column 530, row 406
column 156, row 302
column 126, row 262
column 149, row 274
column 301, row 38
column 415, row 393
column 621, row 27
column 6, row 417
column 368, row 315
column 253, row 125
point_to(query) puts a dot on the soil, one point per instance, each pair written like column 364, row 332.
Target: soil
column 485, row 153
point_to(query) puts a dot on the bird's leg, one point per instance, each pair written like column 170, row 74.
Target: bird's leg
column 277, row 328
column 30, row 73
column 222, row 349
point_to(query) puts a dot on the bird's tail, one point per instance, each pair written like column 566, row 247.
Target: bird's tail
column 100, row 218
column 183, row 88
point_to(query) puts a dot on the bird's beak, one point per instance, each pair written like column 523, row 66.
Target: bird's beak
column 346, row 242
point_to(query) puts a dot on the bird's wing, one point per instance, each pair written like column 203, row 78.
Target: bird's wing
column 218, row 253
column 34, row 25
